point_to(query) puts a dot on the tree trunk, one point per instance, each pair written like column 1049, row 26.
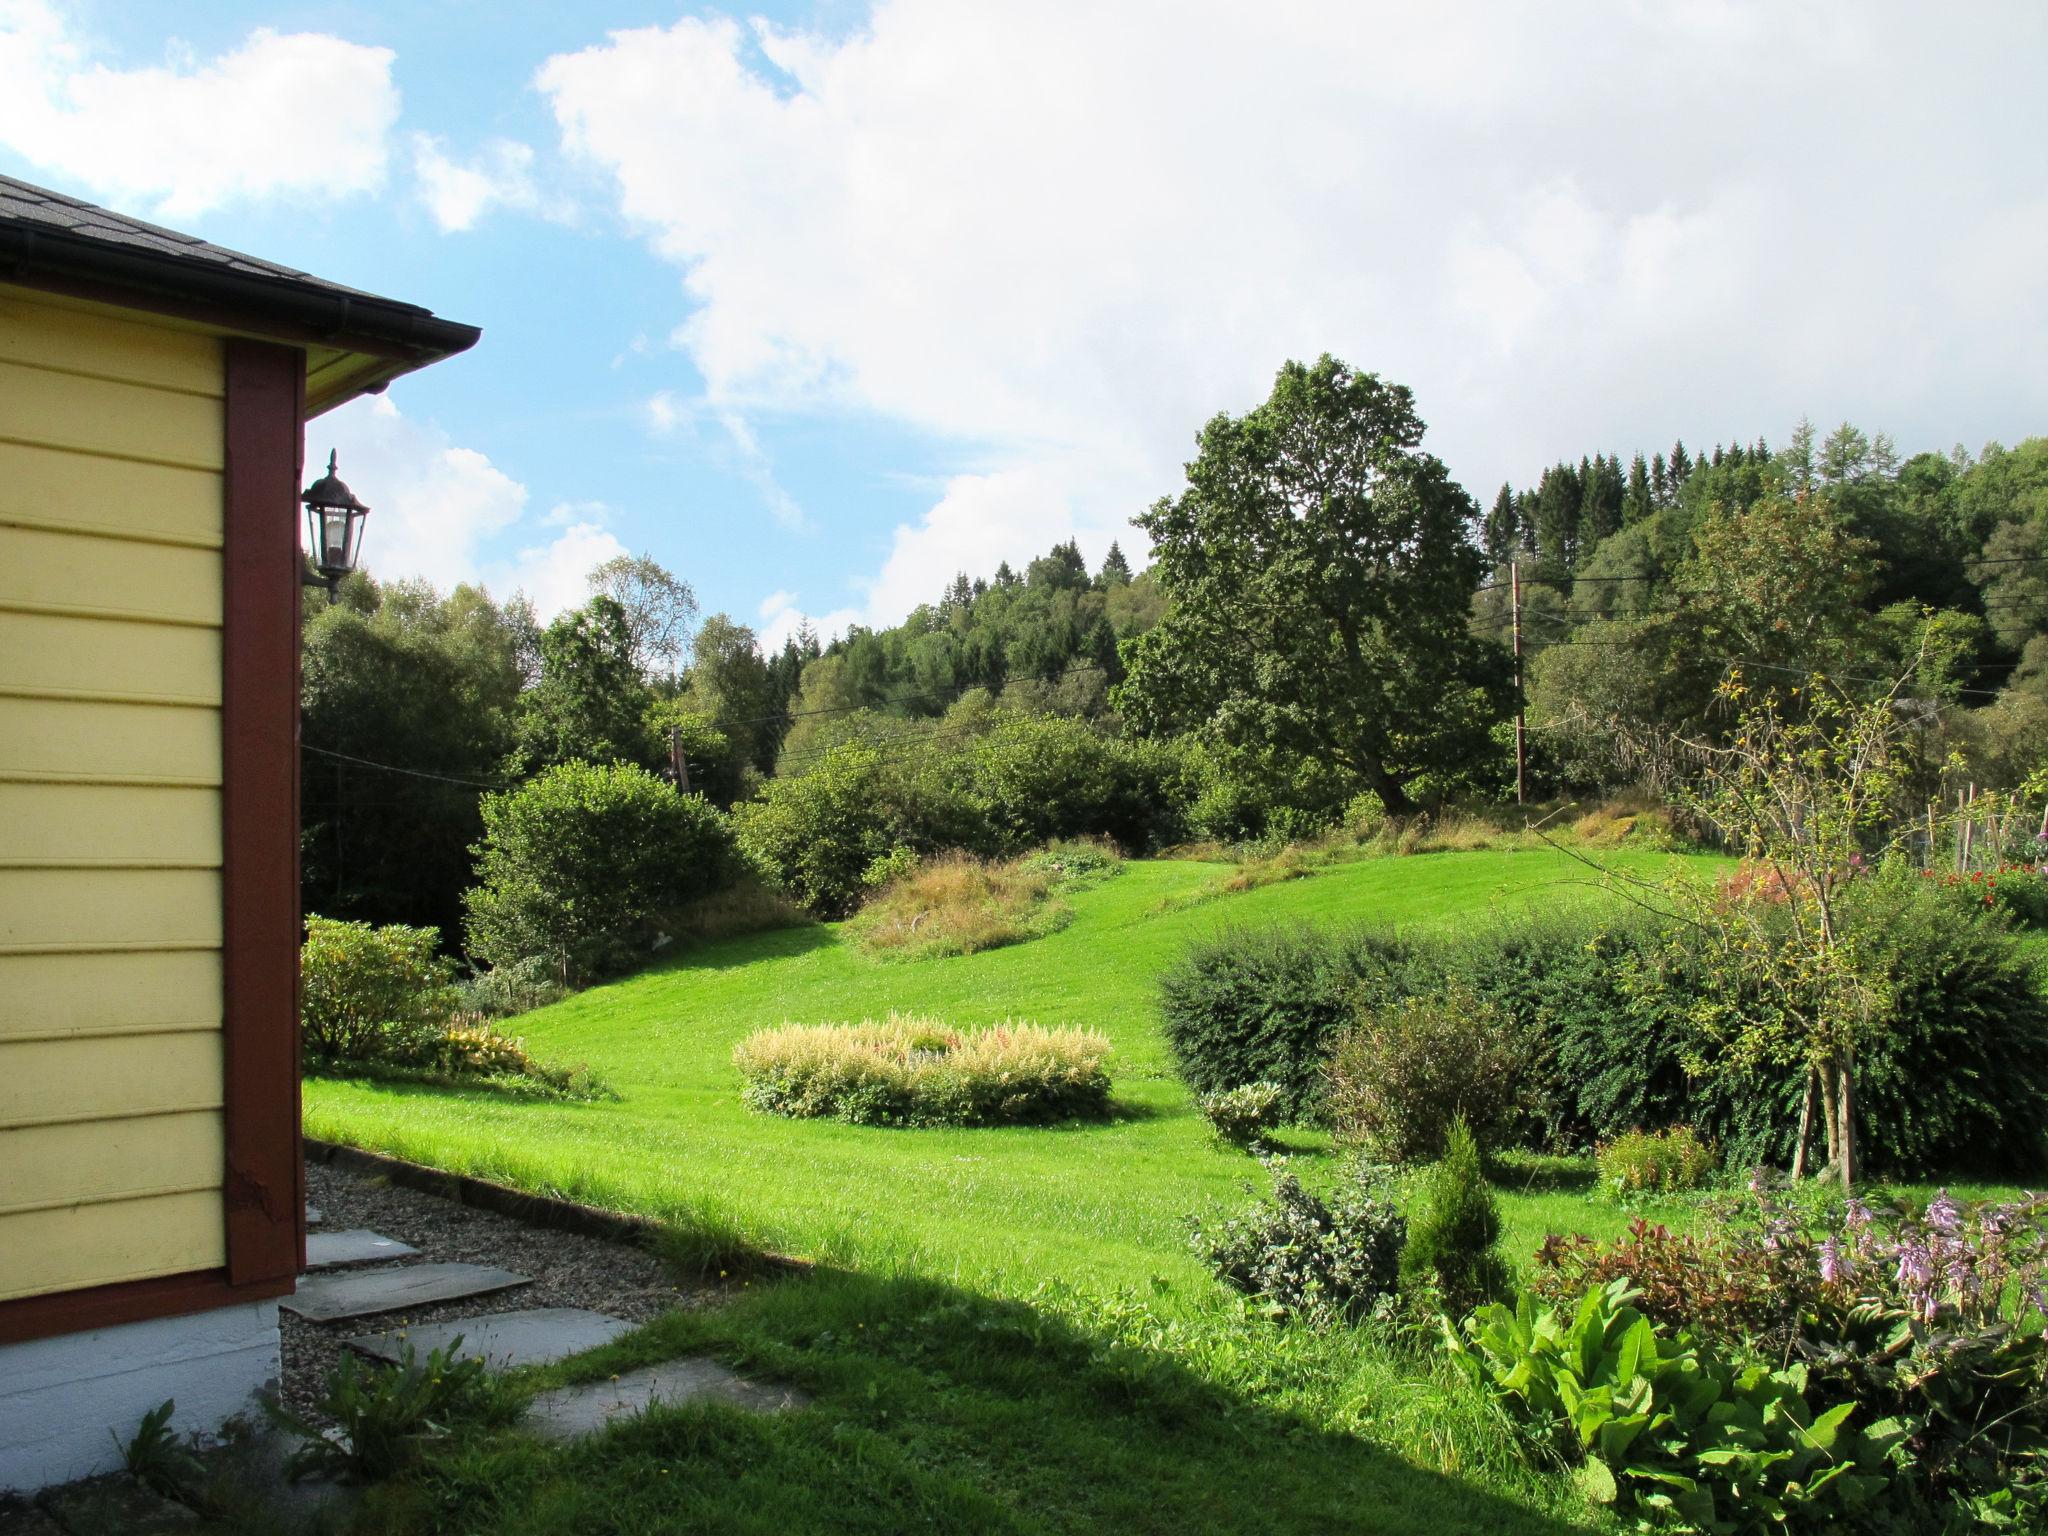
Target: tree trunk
column 1831, row 1121
column 1805, row 1126
column 1845, row 1131
column 1393, row 795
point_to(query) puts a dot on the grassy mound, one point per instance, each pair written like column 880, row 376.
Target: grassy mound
column 960, row 905
column 908, row 1071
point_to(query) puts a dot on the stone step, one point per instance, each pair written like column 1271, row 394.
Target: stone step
column 571, row 1411
column 356, row 1245
column 314, row 1216
column 330, row 1298
column 503, row 1339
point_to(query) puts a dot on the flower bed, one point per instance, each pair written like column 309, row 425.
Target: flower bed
column 908, row 1071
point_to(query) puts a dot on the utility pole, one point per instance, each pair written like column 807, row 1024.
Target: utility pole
column 679, row 765
column 1521, row 726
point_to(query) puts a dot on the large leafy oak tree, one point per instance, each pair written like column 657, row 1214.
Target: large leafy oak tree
column 1320, row 569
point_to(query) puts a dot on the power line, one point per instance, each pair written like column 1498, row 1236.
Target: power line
column 416, row 773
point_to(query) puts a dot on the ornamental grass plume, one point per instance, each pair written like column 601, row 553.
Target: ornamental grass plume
column 913, row 1071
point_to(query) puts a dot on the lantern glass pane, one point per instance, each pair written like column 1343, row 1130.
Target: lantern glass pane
column 334, row 549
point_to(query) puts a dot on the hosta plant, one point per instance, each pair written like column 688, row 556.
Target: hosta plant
column 1677, row 1435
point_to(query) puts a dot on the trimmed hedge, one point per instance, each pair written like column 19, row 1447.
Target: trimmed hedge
column 1957, row 1084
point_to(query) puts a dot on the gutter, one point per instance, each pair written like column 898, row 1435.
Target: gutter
column 268, row 303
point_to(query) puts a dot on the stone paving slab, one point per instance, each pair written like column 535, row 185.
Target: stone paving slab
column 357, row 1245
column 503, row 1339
column 333, row 1297
column 571, row 1411
column 314, row 1216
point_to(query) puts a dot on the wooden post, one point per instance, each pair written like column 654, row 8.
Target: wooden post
column 678, row 763
column 1521, row 726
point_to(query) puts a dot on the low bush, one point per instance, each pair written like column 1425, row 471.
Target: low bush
column 517, row 987
column 578, row 863
column 1244, row 1116
column 748, row 905
column 1408, row 1069
column 1662, row 1427
column 1300, row 1257
column 1077, row 862
column 1452, row 1256
column 2018, row 890
column 908, row 1071
column 956, row 904
column 1655, row 1162
column 371, row 993
column 1705, row 1281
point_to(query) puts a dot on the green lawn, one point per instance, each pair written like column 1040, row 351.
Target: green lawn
column 1004, row 1329
column 996, row 1210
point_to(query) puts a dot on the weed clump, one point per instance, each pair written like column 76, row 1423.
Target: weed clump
column 959, row 905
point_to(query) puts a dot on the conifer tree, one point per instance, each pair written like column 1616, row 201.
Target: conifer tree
column 1503, row 527
column 1681, row 465
column 1660, row 482
column 1116, row 570
column 1636, row 503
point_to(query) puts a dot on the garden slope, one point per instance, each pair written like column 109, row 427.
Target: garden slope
column 998, row 1209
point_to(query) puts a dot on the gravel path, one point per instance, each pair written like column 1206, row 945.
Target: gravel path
column 569, row 1270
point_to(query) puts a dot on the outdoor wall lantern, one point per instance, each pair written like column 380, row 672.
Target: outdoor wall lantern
column 334, row 522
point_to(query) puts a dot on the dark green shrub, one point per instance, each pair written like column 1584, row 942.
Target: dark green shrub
column 1041, row 777
column 1405, row 1071
column 371, row 994
column 1261, row 1006
column 578, row 863
column 1324, row 1262
column 1453, row 1231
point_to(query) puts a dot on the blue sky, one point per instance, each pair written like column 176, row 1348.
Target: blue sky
column 820, row 303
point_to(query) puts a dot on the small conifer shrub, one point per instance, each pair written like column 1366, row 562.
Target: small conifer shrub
column 1451, row 1251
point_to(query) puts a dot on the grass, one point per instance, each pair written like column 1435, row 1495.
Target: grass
column 995, row 1209
column 1003, row 1329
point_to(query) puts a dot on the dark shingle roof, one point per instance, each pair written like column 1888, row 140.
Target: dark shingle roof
column 54, row 241
column 21, row 203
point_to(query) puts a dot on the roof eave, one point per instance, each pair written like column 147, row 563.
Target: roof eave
column 394, row 338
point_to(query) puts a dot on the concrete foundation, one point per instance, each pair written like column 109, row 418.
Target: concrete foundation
column 65, row 1401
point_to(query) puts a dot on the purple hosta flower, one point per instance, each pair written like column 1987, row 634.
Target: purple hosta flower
column 1916, row 1266
column 1859, row 1214
column 1944, row 1215
column 1834, row 1264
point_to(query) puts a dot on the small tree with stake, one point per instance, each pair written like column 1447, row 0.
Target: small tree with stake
column 1809, row 802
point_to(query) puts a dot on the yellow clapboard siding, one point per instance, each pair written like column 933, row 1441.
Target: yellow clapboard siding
column 71, row 909
column 92, row 657
column 75, row 1246
column 69, row 994
column 96, row 824
column 101, row 416
column 49, row 1165
column 36, row 331
column 49, row 1080
column 92, row 576
column 44, row 487
column 67, row 738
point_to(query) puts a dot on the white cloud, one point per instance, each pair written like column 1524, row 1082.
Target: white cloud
column 782, row 624
column 439, row 511
column 776, row 602
column 458, row 193
column 1063, row 235
column 556, row 575
column 300, row 114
